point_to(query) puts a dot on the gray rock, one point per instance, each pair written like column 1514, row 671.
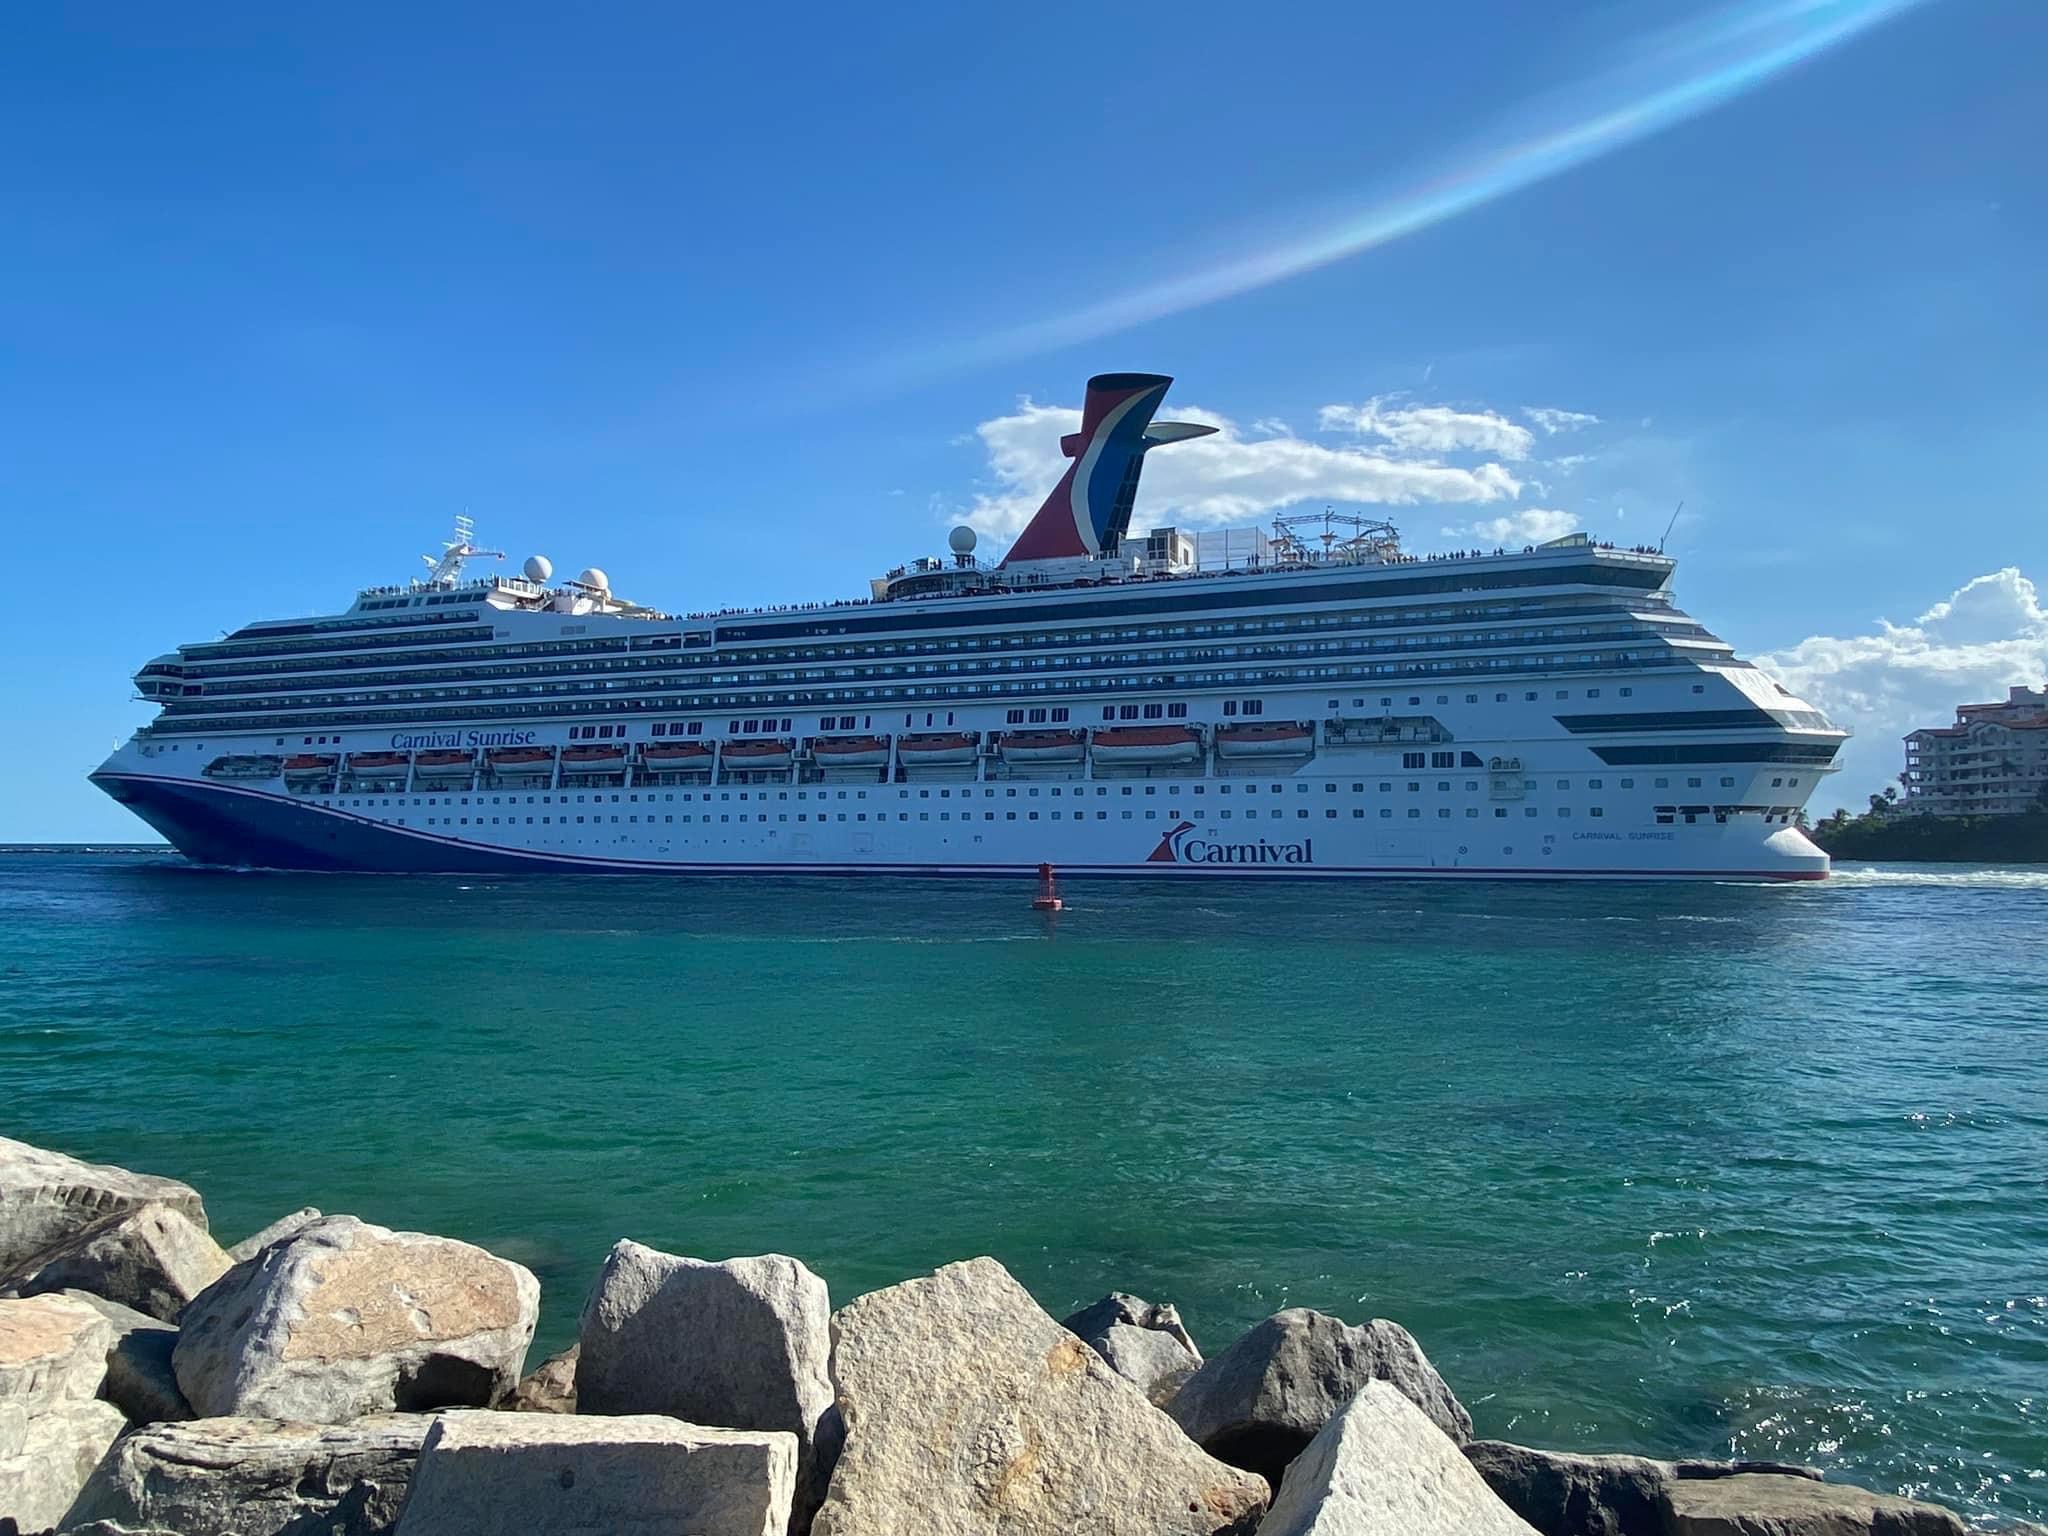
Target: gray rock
column 52, row 1350
column 549, row 1387
column 1382, row 1468
column 512, row 1475
column 45, row 1457
column 969, row 1411
column 1157, row 1363
column 1259, row 1403
column 277, row 1231
column 46, row 1196
column 258, row 1477
column 140, row 1381
column 1769, row 1504
column 343, row 1318
column 153, row 1258
column 1563, row 1494
column 112, row 1528
column 743, row 1344
column 1092, row 1323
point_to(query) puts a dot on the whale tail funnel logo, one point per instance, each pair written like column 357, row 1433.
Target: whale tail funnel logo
column 1089, row 511
column 1168, row 851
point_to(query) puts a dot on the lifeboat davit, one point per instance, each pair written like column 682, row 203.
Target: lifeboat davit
column 1278, row 738
column 850, row 751
column 243, row 766
column 1044, row 746
column 1147, row 744
column 938, row 747
column 388, row 764
column 593, row 759
column 676, row 754
column 749, row 756
column 443, row 764
column 308, row 766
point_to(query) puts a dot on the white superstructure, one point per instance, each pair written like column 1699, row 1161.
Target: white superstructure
column 1319, row 704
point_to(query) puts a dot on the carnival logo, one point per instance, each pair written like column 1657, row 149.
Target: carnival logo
column 1176, row 847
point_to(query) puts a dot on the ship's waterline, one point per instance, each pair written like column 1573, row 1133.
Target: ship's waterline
column 1311, row 703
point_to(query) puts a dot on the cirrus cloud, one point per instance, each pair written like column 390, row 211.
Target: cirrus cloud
column 1430, row 428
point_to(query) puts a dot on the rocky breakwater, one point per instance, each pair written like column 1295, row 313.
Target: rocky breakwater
column 334, row 1377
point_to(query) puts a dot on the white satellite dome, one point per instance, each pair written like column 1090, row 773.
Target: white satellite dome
column 595, row 579
column 538, row 569
column 961, row 540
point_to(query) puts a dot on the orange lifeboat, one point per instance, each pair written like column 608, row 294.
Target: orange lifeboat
column 1147, row 744
column 1277, row 738
column 309, row 766
column 443, row 764
column 761, row 753
column 672, row 755
column 936, row 747
column 599, row 757
column 1044, row 746
column 386, row 764
column 502, row 758
column 850, row 751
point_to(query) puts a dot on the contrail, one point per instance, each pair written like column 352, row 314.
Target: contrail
column 1664, row 80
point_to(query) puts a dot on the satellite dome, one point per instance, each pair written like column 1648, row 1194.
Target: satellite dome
column 961, row 540
column 538, row 569
column 595, row 579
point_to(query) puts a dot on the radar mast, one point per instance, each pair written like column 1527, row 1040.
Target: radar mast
column 445, row 569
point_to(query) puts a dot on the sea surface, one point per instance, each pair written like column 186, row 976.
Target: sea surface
column 1702, row 1169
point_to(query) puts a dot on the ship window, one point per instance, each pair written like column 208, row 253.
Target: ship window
column 1385, row 814
column 1414, row 813
column 1699, row 688
column 1597, row 811
column 1528, row 810
column 1628, row 783
column 1500, row 810
column 1413, row 759
column 1692, row 783
column 1128, row 712
column 1059, row 716
column 1529, row 697
column 1500, row 698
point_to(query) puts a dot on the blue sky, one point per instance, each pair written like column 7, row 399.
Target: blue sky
column 748, row 306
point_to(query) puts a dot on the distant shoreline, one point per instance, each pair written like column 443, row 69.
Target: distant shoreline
column 1896, row 837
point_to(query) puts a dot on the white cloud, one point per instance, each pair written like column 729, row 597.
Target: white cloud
column 1430, row 428
column 1989, row 634
column 1231, row 477
column 1553, row 421
column 1526, row 525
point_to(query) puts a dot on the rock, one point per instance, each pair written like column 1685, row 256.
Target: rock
column 1259, row 1403
column 343, row 1318
column 1143, row 1343
column 153, row 1258
column 140, row 1381
column 113, row 1528
column 1769, row 1504
column 1563, row 1494
column 258, row 1477
column 507, row 1475
column 47, row 1454
column 52, row 1350
column 1382, row 1468
column 46, row 1196
column 277, row 1231
column 549, row 1387
column 969, row 1410
column 742, row 1344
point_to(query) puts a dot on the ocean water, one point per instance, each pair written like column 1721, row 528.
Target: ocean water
column 1703, row 1169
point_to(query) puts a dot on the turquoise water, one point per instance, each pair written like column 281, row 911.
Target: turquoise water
column 1701, row 1169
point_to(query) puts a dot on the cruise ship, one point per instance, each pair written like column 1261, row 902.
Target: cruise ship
column 1309, row 703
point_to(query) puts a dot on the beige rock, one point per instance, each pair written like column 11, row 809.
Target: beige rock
column 153, row 1258
column 549, row 1387
column 52, row 1350
column 258, row 1477
column 46, row 1456
column 278, row 1230
column 46, row 1196
column 969, row 1410
column 1767, row 1504
column 1382, row 1468
column 520, row 1475
column 343, row 1318
column 140, row 1381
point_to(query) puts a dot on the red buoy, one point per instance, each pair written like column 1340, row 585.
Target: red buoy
column 1048, row 898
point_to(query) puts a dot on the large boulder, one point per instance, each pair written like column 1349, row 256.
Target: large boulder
column 45, row 1457
column 140, row 1381
column 46, row 1196
column 1259, row 1403
column 549, row 1387
column 1562, row 1493
column 343, row 1318
column 153, row 1258
column 276, row 1232
column 1142, row 1342
column 258, row 1477
column 1770, row 1504
column 742, row 1343
column 512, row 1475
column 52, row 1350
column 969, row 1410
column 1382, row 1468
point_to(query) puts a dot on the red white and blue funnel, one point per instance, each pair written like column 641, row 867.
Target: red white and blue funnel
column 1089, row 511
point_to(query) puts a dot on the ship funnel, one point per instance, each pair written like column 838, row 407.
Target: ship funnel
column 1089, row 511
